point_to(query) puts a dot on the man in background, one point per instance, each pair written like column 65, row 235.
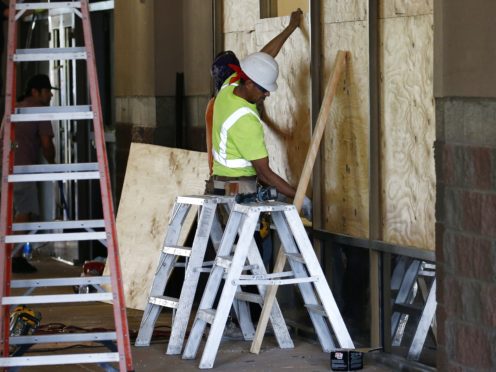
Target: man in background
column 31, row 138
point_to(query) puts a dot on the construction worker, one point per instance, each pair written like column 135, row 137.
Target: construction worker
column 30, row 138
column 221, row 70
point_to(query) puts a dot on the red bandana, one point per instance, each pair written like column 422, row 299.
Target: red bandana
column 239, row 74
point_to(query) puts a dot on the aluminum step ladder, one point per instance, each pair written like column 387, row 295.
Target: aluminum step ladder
column 305, row 272
column 414, row 282
column 102, row 230
column 208, row 227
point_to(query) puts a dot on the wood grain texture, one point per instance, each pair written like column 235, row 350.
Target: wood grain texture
column 287, row 111
column 240, row 15
column 242, row 43
column 394, row 8
column 346, row 142
column 408, row 127
column 155, row 176
column 335, row 11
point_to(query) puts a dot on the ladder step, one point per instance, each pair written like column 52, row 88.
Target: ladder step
column 46, row 360
column 57, row 299
column 79, row 112
column 207, row 315
column 249, row 297
column 62, row 237
column 60, row 282
column 73, row 337
column 52, row 225
column 55, row 172
column 49, row 54
column 164, row 301
column 316, row 309
column 295, row 257
column 266, row 280
column 45, row 6
column 177, row 250
column 409, row 309
column 427, row 273
column 201, row 199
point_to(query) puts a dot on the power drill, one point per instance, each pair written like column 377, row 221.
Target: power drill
column 262, row 194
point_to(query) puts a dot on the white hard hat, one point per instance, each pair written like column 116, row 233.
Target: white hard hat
column 262, row 69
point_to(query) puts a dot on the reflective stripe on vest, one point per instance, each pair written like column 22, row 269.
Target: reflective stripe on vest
column 221, row 156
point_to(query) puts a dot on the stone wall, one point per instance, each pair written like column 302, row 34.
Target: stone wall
column 466, row 234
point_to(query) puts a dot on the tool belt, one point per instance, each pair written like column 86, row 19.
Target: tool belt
column 230, row 186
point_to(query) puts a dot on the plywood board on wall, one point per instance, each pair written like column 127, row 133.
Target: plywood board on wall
column 346, row 140
column 287, row 111
column 242, row 43
column 408, row 131
column 240, row 15
column 155, row 176
column 395, row 8
column 344, row 11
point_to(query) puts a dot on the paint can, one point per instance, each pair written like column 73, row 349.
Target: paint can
column 346, row 360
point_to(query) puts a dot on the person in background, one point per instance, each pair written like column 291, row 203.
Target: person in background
column 31, row 138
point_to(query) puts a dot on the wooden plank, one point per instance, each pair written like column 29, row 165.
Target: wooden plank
column 330, row 92
column 155, row 175
column 402, row 8
column 408, row 177
column 345, row 168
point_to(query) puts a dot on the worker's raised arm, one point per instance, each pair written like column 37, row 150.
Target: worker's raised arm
column 274, row 46
column 267, row 177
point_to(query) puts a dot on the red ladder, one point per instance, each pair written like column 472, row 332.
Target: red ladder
column 103, row 230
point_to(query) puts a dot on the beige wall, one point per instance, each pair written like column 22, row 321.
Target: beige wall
column 465, row 52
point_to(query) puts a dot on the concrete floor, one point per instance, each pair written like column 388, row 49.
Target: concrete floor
column 233, row 355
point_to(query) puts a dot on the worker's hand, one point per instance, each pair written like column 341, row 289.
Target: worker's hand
column 306, row 208
column 294, row 21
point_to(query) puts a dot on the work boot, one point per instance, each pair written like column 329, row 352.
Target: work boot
column 21, row 266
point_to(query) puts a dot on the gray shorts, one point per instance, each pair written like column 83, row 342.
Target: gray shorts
column 26, row 198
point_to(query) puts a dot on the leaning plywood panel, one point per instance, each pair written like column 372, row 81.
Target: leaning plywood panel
column 240, row 15
column 345, row 167
column 155, row 175
column 344, row 10
column 394, row 8
column 408, row 131
column 287, row 110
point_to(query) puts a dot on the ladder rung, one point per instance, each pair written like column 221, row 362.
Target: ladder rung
column 62, row 237
column 59, row 176
column 249, row 297
column 207, row 315
column 73, row 337
column 40, row 6
column 60, row 282
column 53, row 168
column 164, row 301
column 256, row 281
column 52, row 225
column 316, row 309
column 426, row 273
column 46, row 360
column 407, row 309
column 25, row 114
column 49, row 54
column 57, row 299
column 296, row 257
column 177, row 250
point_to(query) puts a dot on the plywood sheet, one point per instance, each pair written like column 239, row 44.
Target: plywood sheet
column 408, row 131
column 344, row 10
column 242, row 43
column 287, row 111
column 394, row 8
column 240, row 15
column 155, row 175
column 346, row 140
